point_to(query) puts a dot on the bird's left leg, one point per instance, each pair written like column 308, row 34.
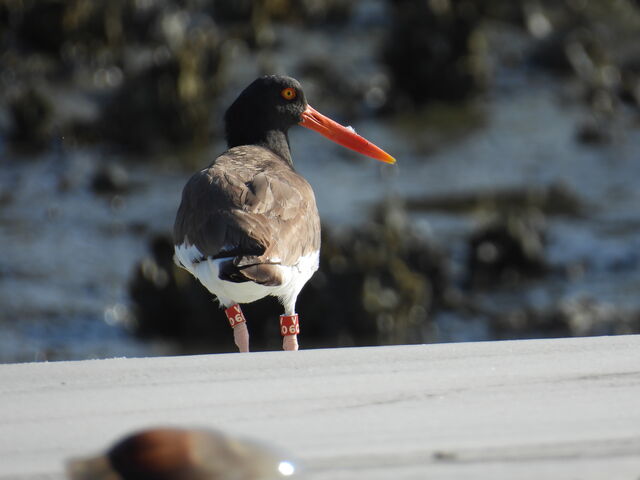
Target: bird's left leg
column 289, row 328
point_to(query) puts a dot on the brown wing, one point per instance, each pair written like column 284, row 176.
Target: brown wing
column 251, row 205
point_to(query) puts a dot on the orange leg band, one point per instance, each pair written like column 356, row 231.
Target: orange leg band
column 235, row 315
column 289, row 325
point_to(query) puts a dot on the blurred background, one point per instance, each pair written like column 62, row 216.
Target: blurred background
column 513, row 211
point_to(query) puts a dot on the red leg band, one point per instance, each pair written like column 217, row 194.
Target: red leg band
column 235, row 315
column 289, row 325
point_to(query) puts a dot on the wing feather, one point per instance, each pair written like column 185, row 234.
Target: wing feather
column 252, row 205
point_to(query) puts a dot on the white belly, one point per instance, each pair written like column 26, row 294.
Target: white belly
column 228, row 293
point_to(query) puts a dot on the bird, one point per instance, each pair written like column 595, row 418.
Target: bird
column 178, row 453
column 248, row 226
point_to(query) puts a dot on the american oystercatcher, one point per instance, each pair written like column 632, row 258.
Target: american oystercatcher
column 248, row 225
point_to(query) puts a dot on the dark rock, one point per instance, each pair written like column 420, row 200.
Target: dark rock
column 507, row 250
column 110, row 178
column 167, row 105
column 377, row 285
column 40, row 25
column 599, row 54
column 592, row 132
column 31, row 116
column 428, row 51
column 549, row 53
column 630, row 82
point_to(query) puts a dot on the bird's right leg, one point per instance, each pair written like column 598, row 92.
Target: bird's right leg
column 239, row 325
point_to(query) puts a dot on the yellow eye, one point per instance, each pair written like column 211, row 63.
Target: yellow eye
column 288, row 93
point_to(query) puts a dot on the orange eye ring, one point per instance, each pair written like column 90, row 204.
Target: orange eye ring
column 288, row 93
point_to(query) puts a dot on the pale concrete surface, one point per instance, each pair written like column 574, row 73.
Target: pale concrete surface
column 542, row 409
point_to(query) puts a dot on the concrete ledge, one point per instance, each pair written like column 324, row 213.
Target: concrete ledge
column 561, row 409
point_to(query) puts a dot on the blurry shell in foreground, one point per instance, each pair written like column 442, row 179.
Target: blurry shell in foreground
column 182, row 454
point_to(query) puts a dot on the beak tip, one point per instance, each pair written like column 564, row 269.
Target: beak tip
column 386, row 158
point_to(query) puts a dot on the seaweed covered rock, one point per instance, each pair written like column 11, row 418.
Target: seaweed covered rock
column 593, row 44
column 506, row 250
column 166, row 105
column 31, row 116
column 40, row 25
column 142, row 77
column 377, row 284
column 167, row 96
column 110, row 179
column 431, row 53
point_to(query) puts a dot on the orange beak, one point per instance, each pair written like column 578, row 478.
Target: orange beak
column 344, row 136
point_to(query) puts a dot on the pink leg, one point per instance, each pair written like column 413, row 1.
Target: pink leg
column 289, row 328
column 241, row 337
column 290, row 343
column 239, row 325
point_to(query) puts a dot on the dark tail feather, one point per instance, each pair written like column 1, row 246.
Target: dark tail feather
column 263, row 273
column 231, row 273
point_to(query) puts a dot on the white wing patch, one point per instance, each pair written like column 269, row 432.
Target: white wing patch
column 207, row 271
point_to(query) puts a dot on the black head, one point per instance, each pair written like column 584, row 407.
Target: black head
column 266, row 109
column 263, row 113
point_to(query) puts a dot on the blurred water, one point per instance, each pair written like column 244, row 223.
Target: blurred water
column 68, row 252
